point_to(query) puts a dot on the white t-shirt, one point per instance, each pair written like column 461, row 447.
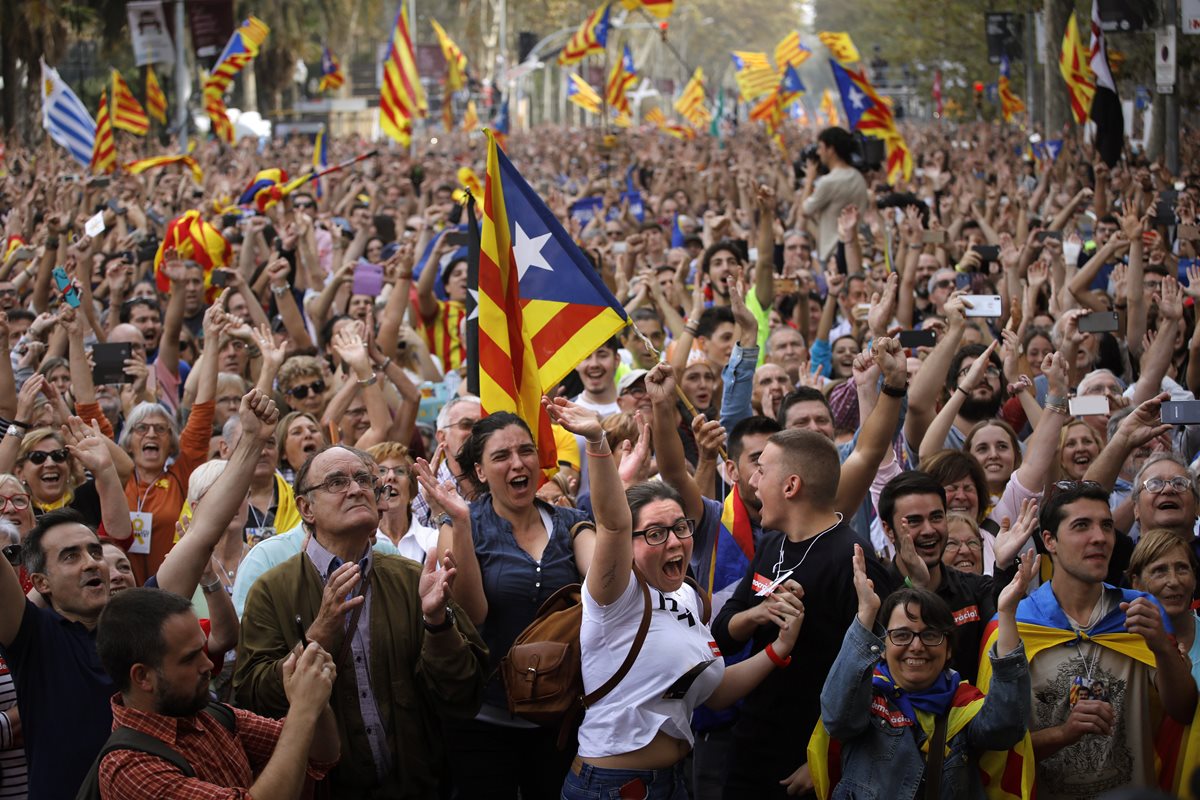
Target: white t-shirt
column 603, row 409
column 415, row 543
column 630, row 716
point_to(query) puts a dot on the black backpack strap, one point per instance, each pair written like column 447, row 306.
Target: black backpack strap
column 223, row 714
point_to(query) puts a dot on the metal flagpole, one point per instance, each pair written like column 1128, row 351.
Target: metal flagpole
column 181, row 80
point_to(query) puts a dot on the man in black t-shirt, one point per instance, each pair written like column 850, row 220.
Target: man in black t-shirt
column 912, row 509
column 797, row 482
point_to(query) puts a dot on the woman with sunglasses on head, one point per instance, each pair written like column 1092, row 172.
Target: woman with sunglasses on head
column 891, row 693
column 517, row 552
column 638, row 734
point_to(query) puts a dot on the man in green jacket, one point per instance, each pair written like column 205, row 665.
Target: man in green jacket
column 404, row 651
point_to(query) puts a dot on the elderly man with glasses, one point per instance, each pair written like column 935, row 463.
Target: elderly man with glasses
column 401, row 645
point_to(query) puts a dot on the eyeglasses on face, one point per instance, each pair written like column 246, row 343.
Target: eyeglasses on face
column 300, row 392
column 19, row 501
column 401, row 471
column 464, row 425
column 973, row 545
column 339, row 484
column 902, row 637
column 943, row 284
column 657, row 534
column 39, row 457
column 156, row 427
column 1179, row 484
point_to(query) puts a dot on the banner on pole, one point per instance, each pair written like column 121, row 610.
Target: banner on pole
column 150, row 33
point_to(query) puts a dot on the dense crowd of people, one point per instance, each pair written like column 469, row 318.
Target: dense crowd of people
column 886, row 490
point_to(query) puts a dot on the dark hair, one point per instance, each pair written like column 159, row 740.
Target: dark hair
column 642, row 494
column 1056, row 499
column 726, row 245
column 970, row 351
column 612, row 343
column 951, row 466
column 385, row 228
column 129, row 305
column 644, row 313
column 907, row 483
column 471, row 453
column 327, row 329
column 21, row 313
column 805, row 394
column 840, row 140
column 934, row 612
column 1109, row 219
column 749, row 427
column 712, row 318
column 32, row 552
column 130, row 631
column 650, row 225
column 450, row 268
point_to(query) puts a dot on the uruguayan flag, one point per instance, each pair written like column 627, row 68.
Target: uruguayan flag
column 65, row 117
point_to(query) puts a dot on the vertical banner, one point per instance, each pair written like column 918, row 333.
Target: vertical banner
column 211, row 22
column 150, row 33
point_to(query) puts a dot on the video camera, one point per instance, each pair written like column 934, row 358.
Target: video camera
column 866, row 155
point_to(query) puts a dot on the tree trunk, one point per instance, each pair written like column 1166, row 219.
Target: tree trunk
column 1058, row 106
column 8, row 101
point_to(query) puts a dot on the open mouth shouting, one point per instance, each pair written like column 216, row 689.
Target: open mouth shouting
column 928, row 546
column 674, row 568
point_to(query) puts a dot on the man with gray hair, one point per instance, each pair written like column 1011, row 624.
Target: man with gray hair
column 454, row 423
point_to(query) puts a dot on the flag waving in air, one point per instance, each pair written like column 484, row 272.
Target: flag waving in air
column 840, row 46
column 156, row 101
column 456, row 59
column 1073, row 64
column 401, row 99
column 829, row 108
column 1106, row 105
column 581, row 93
column 542, row 307
column 591, row 37
column 104, row 152
column 138, row 167
column 659, row 8
column 332, row 76
column 66, row 118
column 620, row 81
column 241, row 49
column 127, row 112
column 1010, row 104
column 690, row 104
column 790, row 51
column 867, row 112
column 753, row 73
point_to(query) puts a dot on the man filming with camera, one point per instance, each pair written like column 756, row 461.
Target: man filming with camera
column 841, row 185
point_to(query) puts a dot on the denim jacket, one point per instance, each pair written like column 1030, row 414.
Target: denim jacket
column 879, row 760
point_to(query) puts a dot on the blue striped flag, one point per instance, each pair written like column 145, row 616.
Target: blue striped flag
column 66, row 118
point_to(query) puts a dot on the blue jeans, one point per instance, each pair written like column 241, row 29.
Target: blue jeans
column 598, row 783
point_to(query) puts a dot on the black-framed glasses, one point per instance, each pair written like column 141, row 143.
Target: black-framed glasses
column 902, row 637
column 303, row 204
column 1159, row 485
column 657, row 534
column 340, row 484
column 300, row 392
column 38, row 457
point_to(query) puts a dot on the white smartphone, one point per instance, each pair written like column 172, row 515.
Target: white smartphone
column 1088, row 404
column 983, row 305
column 620, row 247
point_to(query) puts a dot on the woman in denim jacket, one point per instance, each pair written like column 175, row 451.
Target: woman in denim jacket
column 881, row 697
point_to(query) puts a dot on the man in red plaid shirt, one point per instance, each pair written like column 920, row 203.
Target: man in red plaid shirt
column 151, row 643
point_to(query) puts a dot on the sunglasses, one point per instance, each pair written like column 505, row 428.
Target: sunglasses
column 301, row 392
column 39, row 457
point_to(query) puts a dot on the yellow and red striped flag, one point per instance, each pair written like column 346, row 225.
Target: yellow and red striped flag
column 659, row 8
column 154, row 162
column 156, row 101
column 581, row 93
column 127, row 112
column 791, row 51
column 104, row 150
column 542, row 307
column 840, row 46
column 1074, row 64
column 829, row 109
column 456, row 59
column 196, row 240
column 620, row 81
column 471, row 118
column 1010, row 104
column 690, row 104
column 332, row 74
column 591, row 37
column 754, row 74
column 241, row 49
column 401, row 100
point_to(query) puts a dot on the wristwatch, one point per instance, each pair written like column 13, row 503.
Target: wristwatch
column 368, row 381
column 445, row 624
column 279, row 291
column 13, row 430
column 444, row 519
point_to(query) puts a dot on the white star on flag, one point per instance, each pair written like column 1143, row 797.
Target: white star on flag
column 856, row 98
column 474, row 311
column 528, row 252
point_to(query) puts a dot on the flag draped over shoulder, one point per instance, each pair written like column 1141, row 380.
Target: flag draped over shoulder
column 581, row 93
column 754, row 74
column 542, row 307
column 591, row 37
column 1010, row 104
column 621, row 80
column 66, row 118
column 154, row 162
column 840, row 46
column 1073, row 64
column 867, row 112
column 332, row 76
column 127, row 112
column 241, row 49
column 194, row 240
column 690, row 104
column 401, row 98
column 104, row 153
column 156, row 101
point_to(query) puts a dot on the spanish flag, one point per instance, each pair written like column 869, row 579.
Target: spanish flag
column 156, row 101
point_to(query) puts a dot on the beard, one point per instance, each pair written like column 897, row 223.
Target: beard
column 171, row 703
column 978, row 410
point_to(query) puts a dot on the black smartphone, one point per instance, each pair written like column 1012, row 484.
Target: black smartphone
column 1044, row 235
column 12, row 554
column 301, row 633
column 1183, row 412
column 987, row 252
column 114, row 206
column 1098, row 322
column 108, row 362
column 914, row 339
column 220, row 277
column 962, row 280
column 457, row 239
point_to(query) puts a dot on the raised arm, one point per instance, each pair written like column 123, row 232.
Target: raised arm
column 351, row 348
column 668, row 448
column 877, row 431
column 939, row 429
column 168, row 346
column 764, row 268
column 90, row 448
column 1137, row 429
column 1041, row 448
column 612, row 560
column 931, row 377
column 1156, row 359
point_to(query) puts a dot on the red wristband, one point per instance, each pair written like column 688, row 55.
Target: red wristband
column 775, row 659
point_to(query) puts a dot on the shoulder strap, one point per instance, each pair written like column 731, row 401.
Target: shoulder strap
column 224, row 715
column 705, row 598
column 935, row 758
column 638, row 640
column 129, row 739
column 348, row 637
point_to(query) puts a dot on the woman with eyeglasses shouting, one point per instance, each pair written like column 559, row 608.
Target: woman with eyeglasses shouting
column 634, row 739
column 891, row 697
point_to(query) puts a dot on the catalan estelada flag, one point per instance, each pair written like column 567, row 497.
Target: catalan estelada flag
column 241, row 49
column 401, row 100
column 1010, row 104
column 542, row 308
column 754, row 74
column 690, row 104
column 621, row 80
column 104, row 150
column 154, row 162
column 840, row 46
column 128, row 114
column 581, row 93
column 194, row 239
column 332, row 76
column 1074, row 64
column 156, row 101
column 867, row 112
column 790, row 51
column 10, row 245
column 591, row 37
